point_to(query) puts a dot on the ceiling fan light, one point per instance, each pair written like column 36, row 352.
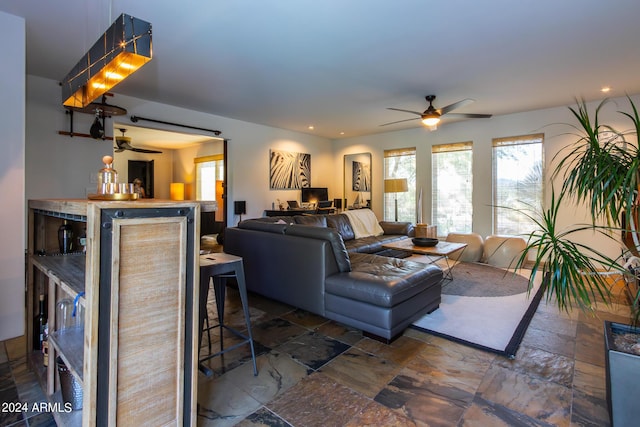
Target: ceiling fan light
column 431, row 120
column 120, row 51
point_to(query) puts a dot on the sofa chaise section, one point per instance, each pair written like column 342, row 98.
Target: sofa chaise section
column 381, row 295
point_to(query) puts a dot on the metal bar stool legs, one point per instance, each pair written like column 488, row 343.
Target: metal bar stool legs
column 219, row 286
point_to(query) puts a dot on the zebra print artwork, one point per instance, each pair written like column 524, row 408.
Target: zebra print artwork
column 361, row 176
column 289, row 170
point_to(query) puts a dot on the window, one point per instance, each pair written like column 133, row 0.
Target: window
column 401, row 163
column 452, row 186
column 517, row 183
column 209, row 176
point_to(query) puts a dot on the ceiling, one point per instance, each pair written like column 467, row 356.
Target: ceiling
column 337, row 65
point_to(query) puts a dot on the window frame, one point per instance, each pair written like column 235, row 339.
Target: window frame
column 406, row 198
column 438, row 149
column 530, row 208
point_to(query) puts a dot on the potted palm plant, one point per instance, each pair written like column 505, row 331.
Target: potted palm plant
column 601, row 169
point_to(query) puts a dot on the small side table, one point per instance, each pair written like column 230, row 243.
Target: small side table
column 220, row 267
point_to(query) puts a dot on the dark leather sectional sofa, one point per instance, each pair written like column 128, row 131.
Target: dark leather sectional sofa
column 315, row 263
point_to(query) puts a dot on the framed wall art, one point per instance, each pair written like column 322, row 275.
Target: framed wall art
column 289, row 170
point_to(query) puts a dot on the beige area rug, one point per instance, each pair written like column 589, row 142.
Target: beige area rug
column 484, row 307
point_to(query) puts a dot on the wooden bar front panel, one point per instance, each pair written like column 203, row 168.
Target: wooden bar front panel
column 148, row 299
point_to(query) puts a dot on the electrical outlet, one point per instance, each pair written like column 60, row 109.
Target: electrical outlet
column 93, row 178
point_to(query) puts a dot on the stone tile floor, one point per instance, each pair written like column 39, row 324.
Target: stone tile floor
column 314, row 372
column 18, row 385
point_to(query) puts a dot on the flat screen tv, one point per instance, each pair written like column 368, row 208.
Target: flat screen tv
column 314, row 194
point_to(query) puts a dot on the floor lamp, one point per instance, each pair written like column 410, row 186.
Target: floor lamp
column 396, row 185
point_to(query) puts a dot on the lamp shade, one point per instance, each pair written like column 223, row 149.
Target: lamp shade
column 396, row 185
column 177, row 191
column 118, row 53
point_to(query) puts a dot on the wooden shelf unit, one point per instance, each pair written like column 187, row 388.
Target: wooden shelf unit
column 139, row 277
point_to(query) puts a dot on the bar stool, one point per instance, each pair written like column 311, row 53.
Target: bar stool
column 220, row 267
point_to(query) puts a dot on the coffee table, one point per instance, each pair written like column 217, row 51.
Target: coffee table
column 441, row 250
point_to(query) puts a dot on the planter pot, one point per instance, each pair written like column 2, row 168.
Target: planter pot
column 623, row 378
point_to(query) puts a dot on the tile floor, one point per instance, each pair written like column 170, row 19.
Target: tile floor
column 314, row 372
column 19, row 385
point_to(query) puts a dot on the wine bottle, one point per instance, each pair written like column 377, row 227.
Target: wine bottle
column 38, row 324
column 65, row 237
column 45, row 348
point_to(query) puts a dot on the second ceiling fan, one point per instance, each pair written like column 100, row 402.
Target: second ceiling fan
column 431, row 116
column 124, row 143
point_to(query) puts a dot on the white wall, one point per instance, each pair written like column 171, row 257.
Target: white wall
column 481, row 132
column 59, row 166
column 12, row 170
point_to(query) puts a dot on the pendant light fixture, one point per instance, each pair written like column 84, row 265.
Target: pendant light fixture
column 118, row 53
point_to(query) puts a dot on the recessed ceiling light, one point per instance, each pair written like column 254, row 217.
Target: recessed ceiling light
column 311, row 127
column 605, row 89
column 341, row 133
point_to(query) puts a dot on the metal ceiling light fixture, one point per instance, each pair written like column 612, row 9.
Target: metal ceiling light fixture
column 430, row 117
column 118, row 53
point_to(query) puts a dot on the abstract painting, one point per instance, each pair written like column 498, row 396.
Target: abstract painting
column 361, row 176
column 289, row 170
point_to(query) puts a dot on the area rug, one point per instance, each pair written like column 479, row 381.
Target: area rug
column 484, row 307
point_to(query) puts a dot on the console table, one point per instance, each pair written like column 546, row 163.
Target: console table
column 289, row 212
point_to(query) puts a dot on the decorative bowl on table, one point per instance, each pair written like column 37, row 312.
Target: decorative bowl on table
column 424, row 241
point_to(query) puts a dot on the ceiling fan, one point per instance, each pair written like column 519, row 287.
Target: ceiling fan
column 124, row 143
column 431, row 116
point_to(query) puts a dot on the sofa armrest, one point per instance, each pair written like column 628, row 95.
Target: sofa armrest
column 392, row 227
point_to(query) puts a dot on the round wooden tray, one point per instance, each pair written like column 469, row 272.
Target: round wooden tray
column 114, row 196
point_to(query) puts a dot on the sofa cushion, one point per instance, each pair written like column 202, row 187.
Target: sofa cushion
column 383, row 281
column 372, row 244
column 328, row 234
column 392, row 227
column 314, row 220
column 258, row 225
column 342, row 225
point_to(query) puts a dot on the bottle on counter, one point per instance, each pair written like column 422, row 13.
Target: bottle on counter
column 39, row 321
column 65, row 237
column 107, row 177
column 82, row 240
column 45, row 345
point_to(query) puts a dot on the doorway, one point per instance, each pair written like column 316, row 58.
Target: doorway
column 210, row 174
column 142, row 169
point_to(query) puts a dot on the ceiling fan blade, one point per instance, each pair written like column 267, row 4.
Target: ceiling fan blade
column 470, row 115
column 406, row 111
column 143, row 150
column 400, row 121
column 123, row 144
column 459, row 104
